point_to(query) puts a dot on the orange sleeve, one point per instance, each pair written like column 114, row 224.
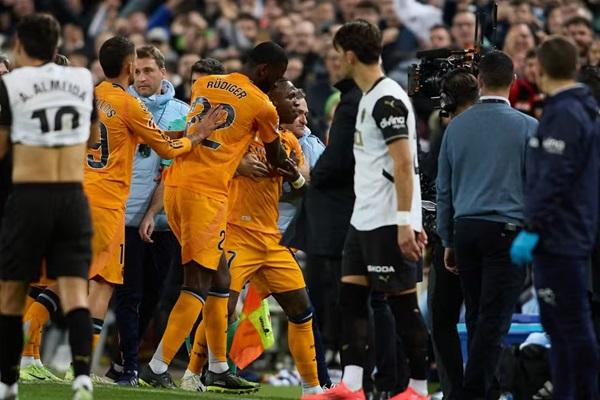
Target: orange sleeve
column 140, row 122
column 296, row 150
column 267, row 122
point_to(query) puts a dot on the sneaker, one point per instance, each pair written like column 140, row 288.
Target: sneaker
column 83, row 393
column 192, row 382
column 163, row 380
column 128, row 378
column 112, row 372
column 227, row 382
column 410, row 394
column 9, row 392
column 33, row 373
column 338, row 392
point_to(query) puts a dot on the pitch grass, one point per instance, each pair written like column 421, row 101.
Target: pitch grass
column 54, row 391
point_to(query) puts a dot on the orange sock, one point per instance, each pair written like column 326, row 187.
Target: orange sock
column 34, row 320
column 28, row 302
column 199, row 353
column 302, row 346
column 215, row 318
column 181, row 321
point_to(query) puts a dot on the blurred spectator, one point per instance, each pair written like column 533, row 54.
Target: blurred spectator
column 204, row 67
column 369, row 11
column 183, row 90
column 72, row 39
column 399, row 43
column 580, row 30
column 324, row 15
column 295, row 68
column 519, row 41
column 418, row 17
column 594, row 53
column 463, row 29
column 346, row 10
column 97, row 72
column 525, row 94
column 554, row 21
column 440, row 37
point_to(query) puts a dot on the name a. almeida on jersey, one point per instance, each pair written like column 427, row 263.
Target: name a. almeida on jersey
column 54, row 85
column 228, row 87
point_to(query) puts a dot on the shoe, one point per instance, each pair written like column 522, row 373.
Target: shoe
column 227, row 382
column 112, row 372
column 163, row 380
column 338, row 392
column 83, row 393
column 9, row 392
column 128, row 378
column 410, row 394
column 34, row 373
column 192, row 383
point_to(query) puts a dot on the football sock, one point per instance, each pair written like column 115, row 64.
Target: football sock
column 79, row 323
column 199, row 353
column 420, row 386
column 302, row 347
column 11, row 346
column 46, row 307
column 97, row 325
column 26, row 361
column 353, row 377
column 181, row 321
column 215, row 320
column 413, row 333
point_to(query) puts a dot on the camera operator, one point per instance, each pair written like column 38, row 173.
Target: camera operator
column 460, row 90
column 561, row 211
column 480, row 209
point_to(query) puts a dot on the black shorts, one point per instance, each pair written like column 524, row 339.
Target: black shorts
column 376, row 254
column 47, row 221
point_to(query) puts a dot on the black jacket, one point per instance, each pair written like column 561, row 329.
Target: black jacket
column 320, row 226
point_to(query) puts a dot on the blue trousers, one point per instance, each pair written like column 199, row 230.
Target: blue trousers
column 562, row 287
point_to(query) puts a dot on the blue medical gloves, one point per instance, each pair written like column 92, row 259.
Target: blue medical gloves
column 521, row 251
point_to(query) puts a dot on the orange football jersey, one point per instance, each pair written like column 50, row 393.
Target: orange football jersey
column 254, row 203
column 209, row 167
column 124, row 123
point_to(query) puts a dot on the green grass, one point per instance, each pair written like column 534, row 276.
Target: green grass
column 53, row 391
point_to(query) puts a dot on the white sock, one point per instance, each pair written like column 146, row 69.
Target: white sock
column 188, row 373
column 26, row 361
column 117, row 367
column 216, row 366
column 312, row 389
column 353, row 377
column 83, row 381
column 6, row 390
column 158, row 366
column 38, row 363
column 420, row 386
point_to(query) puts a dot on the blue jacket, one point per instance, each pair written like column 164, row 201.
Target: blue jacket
column 561, row 198
column 169, row 114
column 312, row 147
column 481, row 166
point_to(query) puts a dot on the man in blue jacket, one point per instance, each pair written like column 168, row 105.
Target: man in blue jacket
column 561, row 214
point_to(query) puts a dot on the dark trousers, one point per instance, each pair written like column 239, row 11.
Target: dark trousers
column 491, row 287
column 323, row 276
column 146, row 268
column 445, row 298
column 561, row 284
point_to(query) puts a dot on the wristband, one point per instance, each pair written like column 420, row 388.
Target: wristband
column 403, row 218
column 298, row 183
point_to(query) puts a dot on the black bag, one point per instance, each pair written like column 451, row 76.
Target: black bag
column 524, row 372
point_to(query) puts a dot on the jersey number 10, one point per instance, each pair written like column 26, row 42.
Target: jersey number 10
column 45, row 127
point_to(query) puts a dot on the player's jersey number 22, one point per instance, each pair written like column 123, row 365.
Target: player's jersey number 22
column 206, row 106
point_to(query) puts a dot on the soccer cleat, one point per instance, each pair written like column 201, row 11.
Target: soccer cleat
column 96, row 379
column 128, row 378
column 163, row 380
column 410, row 394
column 112, row 372
column 338, row 392
column 192, row 383
column 33, row 373
column 83, row 393
column 227, row 382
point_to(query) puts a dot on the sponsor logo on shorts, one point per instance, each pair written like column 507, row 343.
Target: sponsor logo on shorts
column 381, row 269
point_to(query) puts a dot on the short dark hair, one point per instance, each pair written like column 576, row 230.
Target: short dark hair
column 362, row 38
column 517, row 3
column 368, row 4
column 39, row 33
column 496, row 69
column 113, row 54
column 267, row 53
column 440, row 26
column 247, row 16
column 579, row 20
column 590, row 75
column 61, row 59
column 531, row 53
column 462, row 86
column 558, row 57
column 152, row 52
column 208, row 66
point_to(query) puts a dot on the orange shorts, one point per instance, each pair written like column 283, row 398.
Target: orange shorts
column 258, row 257
column 198, row 222
column 108, row 244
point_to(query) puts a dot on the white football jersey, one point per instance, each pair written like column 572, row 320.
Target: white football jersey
column 48, row 106
column 385, row 114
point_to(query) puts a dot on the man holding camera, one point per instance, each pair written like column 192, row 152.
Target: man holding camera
column 480, row 211
column 561, row 214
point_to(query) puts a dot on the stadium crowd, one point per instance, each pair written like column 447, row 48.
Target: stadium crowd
column 178, row 42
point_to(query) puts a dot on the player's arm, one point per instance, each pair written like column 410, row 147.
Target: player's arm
column 94, row 126
column 5, row 120
column 391, row 116
column 156, row 204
